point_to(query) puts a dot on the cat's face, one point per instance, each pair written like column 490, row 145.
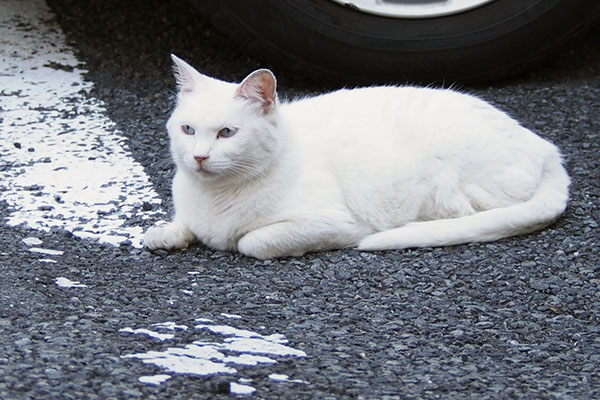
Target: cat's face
column 220, row 130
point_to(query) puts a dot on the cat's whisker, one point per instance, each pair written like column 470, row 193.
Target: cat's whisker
column 163, row 165
column 241, row 167
column 248, row 169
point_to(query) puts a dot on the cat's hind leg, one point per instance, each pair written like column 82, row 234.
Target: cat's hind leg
column 294, row 238
column 544, row 206
column 270, row 242
column 171, row 236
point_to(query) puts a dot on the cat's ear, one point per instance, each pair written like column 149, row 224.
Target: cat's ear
column 185, row 75
column 260, row 86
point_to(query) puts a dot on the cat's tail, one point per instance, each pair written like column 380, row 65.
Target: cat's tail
column 547, row 203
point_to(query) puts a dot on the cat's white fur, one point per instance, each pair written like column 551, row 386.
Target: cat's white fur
column 377, row 168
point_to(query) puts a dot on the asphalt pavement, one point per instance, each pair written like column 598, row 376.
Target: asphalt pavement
column 83, row 316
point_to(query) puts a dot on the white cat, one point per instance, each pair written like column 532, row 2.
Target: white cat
column 377, row 168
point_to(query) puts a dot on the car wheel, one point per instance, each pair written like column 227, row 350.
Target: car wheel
column 367, row 41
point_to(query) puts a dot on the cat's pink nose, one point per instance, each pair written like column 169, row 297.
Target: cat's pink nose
column 200, row 159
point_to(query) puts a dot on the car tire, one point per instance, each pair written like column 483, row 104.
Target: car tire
column 333, row 42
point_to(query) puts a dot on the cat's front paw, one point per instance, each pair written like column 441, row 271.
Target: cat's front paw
column 169, row 237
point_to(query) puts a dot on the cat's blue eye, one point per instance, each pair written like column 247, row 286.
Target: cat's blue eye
column 227, row 132
column 188, row 130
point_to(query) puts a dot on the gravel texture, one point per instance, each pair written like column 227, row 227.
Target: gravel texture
column 518, row 318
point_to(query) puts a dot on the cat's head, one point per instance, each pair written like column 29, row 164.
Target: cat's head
column 224, row 131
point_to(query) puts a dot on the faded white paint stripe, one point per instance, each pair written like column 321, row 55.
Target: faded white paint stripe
column 62, row 162
column 238, row 347
column 238, row 388
column 154, row 379
column 148, row 332
column 67, row 283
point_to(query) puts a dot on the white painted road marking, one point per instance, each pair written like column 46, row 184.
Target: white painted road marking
column 154, row 379
column 67, row 283
column 63, row 163
column 237, row 347
column 149, row 333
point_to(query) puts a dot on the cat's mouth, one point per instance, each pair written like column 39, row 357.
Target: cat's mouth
column 202, row 171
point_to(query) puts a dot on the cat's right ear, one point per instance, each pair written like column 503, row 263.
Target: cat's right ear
column 185, row 75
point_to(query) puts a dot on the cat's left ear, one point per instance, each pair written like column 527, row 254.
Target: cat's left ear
column 260, row 86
